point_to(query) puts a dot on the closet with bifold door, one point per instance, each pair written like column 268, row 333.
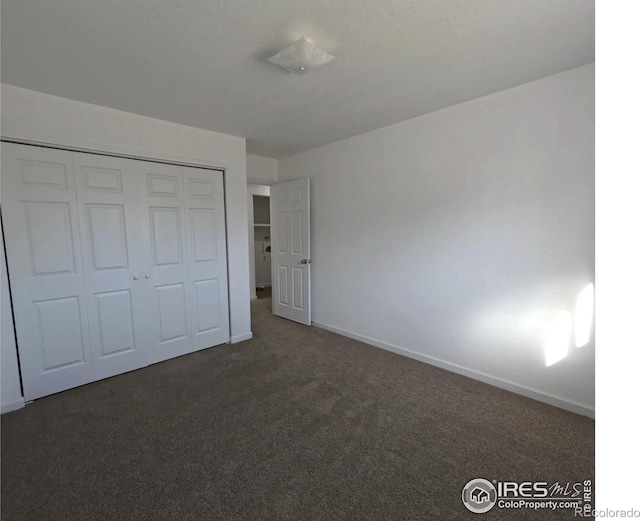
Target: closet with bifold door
column 114, row 263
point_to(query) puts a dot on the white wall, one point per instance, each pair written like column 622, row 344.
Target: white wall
column 41, row 118
column 261, row 170
column 10, row 384
column 457, row 237
column 253, row 189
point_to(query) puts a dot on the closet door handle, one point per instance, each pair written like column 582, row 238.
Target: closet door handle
column 136, row 277
column 147, row 276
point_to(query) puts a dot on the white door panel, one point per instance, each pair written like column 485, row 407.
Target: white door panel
column 165, row 271
column 45, row 263
column 114, row 263
column 209, row 304
column 110, row 232
column 290, row 258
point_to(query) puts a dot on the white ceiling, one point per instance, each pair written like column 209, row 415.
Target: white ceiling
column 201, row 62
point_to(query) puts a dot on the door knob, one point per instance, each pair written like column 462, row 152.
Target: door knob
column 136, row 277
column 305, row 261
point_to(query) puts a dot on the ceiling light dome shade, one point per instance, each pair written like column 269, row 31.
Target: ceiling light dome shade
column 301, row 56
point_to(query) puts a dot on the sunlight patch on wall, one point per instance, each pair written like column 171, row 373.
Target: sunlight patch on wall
column 557, row 338
column 584, row 316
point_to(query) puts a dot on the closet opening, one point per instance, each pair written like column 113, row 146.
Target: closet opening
column 114, row 263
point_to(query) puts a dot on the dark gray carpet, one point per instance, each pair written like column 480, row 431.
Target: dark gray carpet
column 295, row 424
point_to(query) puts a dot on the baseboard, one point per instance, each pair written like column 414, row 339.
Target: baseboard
column 254, row 297
column 465, row 371
column 241, row 338
column 264, row 286
column 13, row 405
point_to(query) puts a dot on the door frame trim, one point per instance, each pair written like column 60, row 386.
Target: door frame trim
column 111, row 151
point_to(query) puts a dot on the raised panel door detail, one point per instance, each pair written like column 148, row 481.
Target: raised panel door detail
column 201, row 188
column 282, row 233
column 114, row 251
column 61, row 332
column 45, row 267
column 206, row 291
column 283, row 285
column 51, row 242
column 204, row 235
column 296, row 232
column 163, row 185
column 166, row 243
column 115, row 320
column 297, row 287
column 290, row 261
column 102, row 180
column 108, row 236
column 50, row 175
column 208, row 305
column 112, row 258
column 171, row 309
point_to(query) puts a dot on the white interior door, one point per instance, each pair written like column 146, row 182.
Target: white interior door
column 291, row 250
column 208, row 303
column 45, row 268
column 166, row 269
column 113, row 262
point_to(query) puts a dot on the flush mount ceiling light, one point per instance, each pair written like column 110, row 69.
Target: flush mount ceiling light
column 301, row 56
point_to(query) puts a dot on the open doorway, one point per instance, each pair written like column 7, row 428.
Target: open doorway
column 262, row 246
column 289, row 261
column 259, row 242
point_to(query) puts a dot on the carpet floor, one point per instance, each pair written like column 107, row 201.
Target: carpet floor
column 296, row 424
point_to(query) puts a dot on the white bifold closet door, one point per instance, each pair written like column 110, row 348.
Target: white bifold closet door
column 114, row 263
column 109, row 233
column 46, row 269
column 185, row 269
